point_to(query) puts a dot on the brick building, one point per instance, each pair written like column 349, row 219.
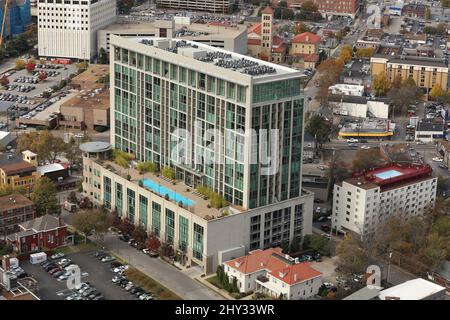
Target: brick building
column 47, row 232
column 14, row 210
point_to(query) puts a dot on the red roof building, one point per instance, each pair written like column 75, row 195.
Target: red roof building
column 267, row 10
column 273, row 273
column 307, row 38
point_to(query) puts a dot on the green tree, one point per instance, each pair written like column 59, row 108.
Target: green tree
column 20, row 64
column 103, row 57
column 92, row 222
column 319, row 128
column 367, row 159
column 316, row 242
column 168, row 172
column 147, row 167
column 436, row 92
column 380, row 84
column 44, row 197
column 428, row 14
column 351, row 257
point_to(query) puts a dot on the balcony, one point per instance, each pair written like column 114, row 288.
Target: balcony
column 262, row 279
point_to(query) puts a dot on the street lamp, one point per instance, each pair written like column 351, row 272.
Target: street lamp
column 389, row 267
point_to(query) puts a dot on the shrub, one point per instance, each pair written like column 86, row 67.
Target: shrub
column 168, row 172
column 146, row 167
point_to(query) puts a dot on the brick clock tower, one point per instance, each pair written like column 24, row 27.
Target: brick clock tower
column 266, row 33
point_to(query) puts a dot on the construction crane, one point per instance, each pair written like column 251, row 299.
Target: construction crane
column 5, row 13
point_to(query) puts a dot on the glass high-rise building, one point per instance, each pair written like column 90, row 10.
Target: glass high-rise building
column 225, row 121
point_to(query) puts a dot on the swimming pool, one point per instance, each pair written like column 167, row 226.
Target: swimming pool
column 388, row 174
column 163, row 191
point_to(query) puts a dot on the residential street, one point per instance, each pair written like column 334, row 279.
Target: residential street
column 169, row 276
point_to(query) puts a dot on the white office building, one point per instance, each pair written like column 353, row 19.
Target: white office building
column 361, row 203
column 68, row 28
column 161, row 85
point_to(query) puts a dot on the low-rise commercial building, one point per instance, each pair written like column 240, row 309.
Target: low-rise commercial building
column 275, row 274
column 362, row 203
column 89, row 108
column 349, row 8
column 429, row 130
column 15, row 209
column 225, row 36
column 215, row 6
column 416, row 289
column 361, row 107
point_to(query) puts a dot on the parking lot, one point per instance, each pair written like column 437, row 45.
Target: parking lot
column 98, row 275
column 25, row 89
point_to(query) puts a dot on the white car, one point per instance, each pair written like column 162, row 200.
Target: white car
column 145, row 251
column 352, row 140
column 437, row 159
column 365, row 147
column 57, row 255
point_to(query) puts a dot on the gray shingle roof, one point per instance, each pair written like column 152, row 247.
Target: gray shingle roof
column 46, row 222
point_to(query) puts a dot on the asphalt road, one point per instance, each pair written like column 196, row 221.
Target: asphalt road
column 159, row 270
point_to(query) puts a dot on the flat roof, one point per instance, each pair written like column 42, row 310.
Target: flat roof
column 227, row 32
column 210, row 55
column 50, row 168
column 89, row 99
column 416, row 289
column 14, row 201
column 95, row 146
column 91, row 75
column 391, row 175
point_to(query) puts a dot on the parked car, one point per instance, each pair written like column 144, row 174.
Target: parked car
column 57, row 255
column 325, row 227
column 107, row 259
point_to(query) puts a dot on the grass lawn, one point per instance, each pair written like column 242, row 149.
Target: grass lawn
column 214, row 281
column 150, row 285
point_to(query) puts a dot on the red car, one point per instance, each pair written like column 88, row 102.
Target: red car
column 54, row 270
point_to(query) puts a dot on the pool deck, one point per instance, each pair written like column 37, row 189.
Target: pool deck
column 200, row 208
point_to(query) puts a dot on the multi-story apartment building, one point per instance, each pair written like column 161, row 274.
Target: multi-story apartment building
column 305, row 46
column 68, row 28
column 361, row 203
column 426, row 72
column 162, row 87
column 348, row 8
column 216, row 6
column 14, row 209
column 19, row 172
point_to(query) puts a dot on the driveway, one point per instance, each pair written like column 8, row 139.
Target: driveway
column 174, row 279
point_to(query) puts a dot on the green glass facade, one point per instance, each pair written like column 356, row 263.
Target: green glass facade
column 197, row 247
column 119, row 199
column 170, row 226
column 183, row 236
column 143, row 211
column 156, row 218
column 131, row 204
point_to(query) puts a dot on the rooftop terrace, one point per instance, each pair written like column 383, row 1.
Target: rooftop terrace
column 179, row 191
column 391, row 175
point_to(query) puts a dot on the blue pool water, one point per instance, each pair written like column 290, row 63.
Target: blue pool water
column 388, row 174
column 163, row 191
